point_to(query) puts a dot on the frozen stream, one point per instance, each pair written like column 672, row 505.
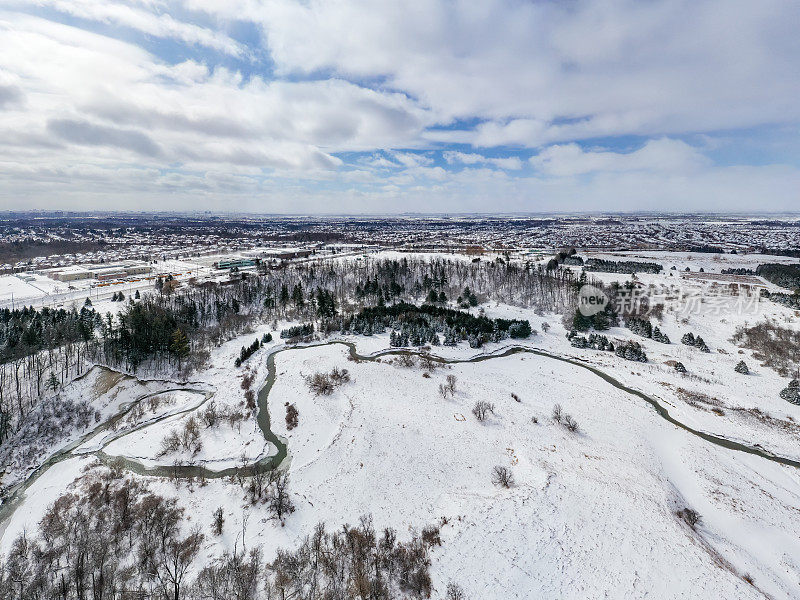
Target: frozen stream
column 15, row 499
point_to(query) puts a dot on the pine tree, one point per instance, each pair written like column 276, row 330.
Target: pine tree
column 742, row 368
column 179, row 345
column 580, row 322
column 297, row 296
column 52, row 382
column 284, row 297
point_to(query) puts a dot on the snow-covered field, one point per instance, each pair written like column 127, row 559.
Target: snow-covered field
column 592, row 513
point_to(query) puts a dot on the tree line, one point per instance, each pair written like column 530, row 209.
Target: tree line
column 171, row 331
column 113, row 538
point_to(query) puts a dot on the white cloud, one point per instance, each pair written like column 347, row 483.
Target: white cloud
column 93, row 117
column 94, row 91
column 509, row 163
column 540, row 72
column 411, row 159
column 662, row 155
column 150, row 22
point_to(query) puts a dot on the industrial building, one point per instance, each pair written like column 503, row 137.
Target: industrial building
column 101, row 272
column 278, row 253
column 237, row 263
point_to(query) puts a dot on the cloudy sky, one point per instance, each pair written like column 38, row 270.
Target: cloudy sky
column 346, row 106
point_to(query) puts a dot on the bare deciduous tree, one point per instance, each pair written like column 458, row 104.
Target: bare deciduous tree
column 279, row 500
column 482, row 409
column 218, row 522
column 451, row 384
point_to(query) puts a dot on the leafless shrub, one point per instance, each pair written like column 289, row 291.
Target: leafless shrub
column 482, row 409
column 250, row 399
column 171, row 443
column 256, row 484
column 451, row 384
column 291, row 416
column 339, row 376
column 698, row 399
column 233, row 417
column 247, row 381
column 186, row 438
column 454, row 592
column 443, row 391
column 557, row 413
column 406, row 360
column 430, row 536
column 325, row 383
column 690, row 516
column 502, row 477
column 570, row 423
column 427, row 363
column 777, row 347
column 320, row 384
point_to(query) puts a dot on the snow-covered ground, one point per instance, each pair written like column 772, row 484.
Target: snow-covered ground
column 591, row 514
column 708, row 261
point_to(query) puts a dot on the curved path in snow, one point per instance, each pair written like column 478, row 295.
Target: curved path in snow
column 275, row 460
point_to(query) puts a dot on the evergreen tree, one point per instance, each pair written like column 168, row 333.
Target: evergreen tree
column 179, row 345
column 742, row 368
column 52, row 382
column 298, row 299
column 284, row 297
column 580, row 322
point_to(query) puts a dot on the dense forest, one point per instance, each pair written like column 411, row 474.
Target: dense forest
column 621, row 266
column 787, row 276
column 790, row 300
column 419, row 325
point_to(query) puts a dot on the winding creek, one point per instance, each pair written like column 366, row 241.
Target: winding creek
column 266, row 463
